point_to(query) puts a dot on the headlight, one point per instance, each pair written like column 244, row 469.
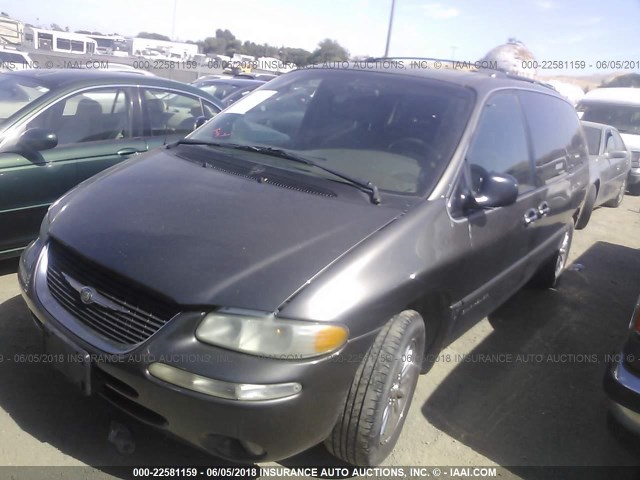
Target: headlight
column 270, row 336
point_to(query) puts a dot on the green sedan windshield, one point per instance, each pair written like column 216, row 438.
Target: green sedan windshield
column 16, row 93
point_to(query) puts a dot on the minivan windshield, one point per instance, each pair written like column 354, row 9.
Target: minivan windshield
column 626, row 118
column 17, row 92
column 395, row 131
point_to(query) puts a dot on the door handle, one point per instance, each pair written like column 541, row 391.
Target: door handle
column 530, row 216
column 543, row 209
column 128, row 151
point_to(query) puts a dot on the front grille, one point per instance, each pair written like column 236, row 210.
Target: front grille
column 138, row 314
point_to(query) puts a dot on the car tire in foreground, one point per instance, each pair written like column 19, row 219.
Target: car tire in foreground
column 380, row 396
column 587, row 209
column 549, row 273
column 614, row 203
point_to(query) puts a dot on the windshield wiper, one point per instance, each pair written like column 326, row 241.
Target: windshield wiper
column 190, row 141
column 280, row 153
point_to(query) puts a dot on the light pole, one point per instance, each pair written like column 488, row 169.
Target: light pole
column 386, row 50
column 173, row 25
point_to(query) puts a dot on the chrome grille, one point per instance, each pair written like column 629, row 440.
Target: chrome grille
column 129, row 315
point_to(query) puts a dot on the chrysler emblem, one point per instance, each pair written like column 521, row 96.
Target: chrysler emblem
column 90, row 296
column 86, row 295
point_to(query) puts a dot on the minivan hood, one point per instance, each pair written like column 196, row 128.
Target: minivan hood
column 206, row 238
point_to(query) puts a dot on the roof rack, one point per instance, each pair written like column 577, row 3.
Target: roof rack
column 483, row 69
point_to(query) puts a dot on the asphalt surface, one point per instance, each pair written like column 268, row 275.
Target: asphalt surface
column 521, row 388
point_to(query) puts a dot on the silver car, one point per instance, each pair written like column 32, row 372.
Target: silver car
column 609, row 164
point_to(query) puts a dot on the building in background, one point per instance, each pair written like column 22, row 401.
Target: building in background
column 11, row 32
column 56, row 41
column 115, row 45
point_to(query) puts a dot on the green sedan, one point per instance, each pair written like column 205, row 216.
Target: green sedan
column 59, row 127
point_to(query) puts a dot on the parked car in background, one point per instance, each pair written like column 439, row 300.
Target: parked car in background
column 12, row 60
column 59, row 127
column 238, row 94
column 312, row 247
column 609, row 163
column 620, row 108
column 265, row 77
column 622, row 379
column 221, row 88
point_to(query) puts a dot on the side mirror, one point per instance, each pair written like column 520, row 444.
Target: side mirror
column 497, row 190
column 618, row 154
column 201, row 120
column 38, row 139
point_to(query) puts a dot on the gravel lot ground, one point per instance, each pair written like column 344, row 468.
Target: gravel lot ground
column 539, row 404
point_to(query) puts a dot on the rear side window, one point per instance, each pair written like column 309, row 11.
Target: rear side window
column 593, row 136
column 500, row 143
column 558, row 146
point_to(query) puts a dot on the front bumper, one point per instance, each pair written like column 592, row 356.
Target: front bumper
column 623, row 388
column 244, row 431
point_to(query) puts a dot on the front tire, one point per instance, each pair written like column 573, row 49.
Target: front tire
column 549, row 274
column 380, row 396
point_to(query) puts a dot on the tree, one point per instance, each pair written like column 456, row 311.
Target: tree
column 210, row 45
column 153, row 36
column 329, row 51
column 299, row 56
column 55, row 26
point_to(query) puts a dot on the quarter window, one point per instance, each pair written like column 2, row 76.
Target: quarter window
column 558, row 145
column 171, row 113
column 500, row 143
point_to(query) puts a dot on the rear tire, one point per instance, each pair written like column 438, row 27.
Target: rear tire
column 380, row 396
column 587, row 210
column 615, row 203
column 548, row 276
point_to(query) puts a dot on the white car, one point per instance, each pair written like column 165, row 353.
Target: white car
column 620, row 108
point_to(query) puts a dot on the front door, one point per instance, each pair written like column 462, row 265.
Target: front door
column 94, row 130
column 494, row 266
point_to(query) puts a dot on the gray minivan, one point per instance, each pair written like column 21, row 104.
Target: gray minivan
column 280, row 277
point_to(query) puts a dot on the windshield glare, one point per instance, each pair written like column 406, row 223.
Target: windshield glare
column 395, row 131
column 16, row 93
column 626, row 118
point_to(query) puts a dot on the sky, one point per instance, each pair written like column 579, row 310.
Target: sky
column 565, row 30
